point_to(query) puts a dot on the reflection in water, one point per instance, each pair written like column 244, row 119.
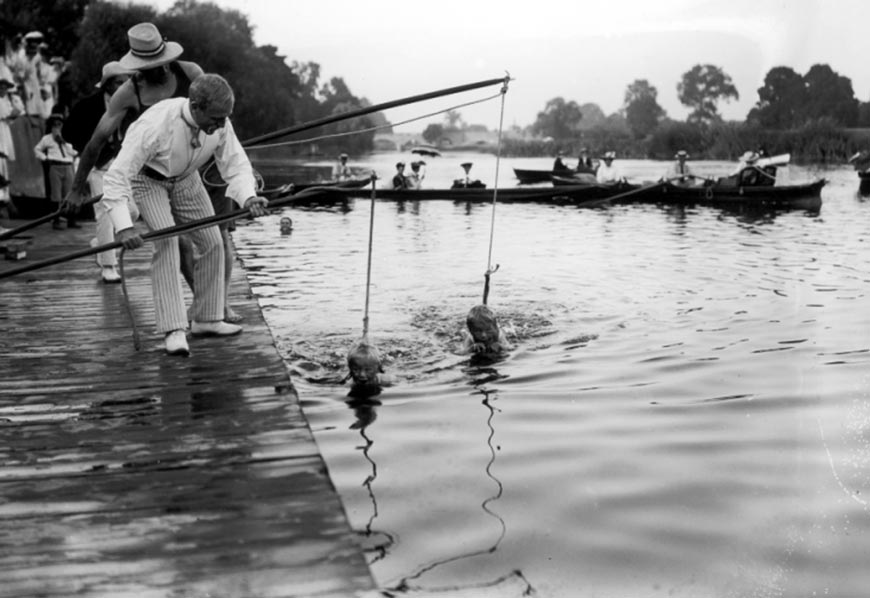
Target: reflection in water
column 377, row 542
column 405, row 584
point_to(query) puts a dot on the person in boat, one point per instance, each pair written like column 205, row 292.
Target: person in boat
column 78, row 128
column 341, row 171
column 748, row 173
column 467, row 182
column 679, row 173
column 559, row 165
column 157, row 168
column 584, row 162
column 608, row 173
column 57, row 153
column 415, row 179
column 400, row 181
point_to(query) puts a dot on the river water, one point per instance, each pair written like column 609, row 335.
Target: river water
column 683, row 412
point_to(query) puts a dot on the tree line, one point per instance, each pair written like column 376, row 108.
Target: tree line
column 809, row 116
column 270, row 93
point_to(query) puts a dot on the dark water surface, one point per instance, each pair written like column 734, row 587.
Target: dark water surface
column 684, row 411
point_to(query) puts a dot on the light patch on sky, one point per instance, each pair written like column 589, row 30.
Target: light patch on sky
column 581, row 51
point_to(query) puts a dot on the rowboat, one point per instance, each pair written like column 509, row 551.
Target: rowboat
column 348, row 184
column 575, row 194
column 805, row 196
column 529, row 175
column 426, row 150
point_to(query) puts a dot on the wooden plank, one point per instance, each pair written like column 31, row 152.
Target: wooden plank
column 134, row 473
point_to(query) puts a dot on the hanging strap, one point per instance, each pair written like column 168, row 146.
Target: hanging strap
column 489, row 267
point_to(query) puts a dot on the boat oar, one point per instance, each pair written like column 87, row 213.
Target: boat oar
column 279, row 201
column 641, row 189
column 8, row 234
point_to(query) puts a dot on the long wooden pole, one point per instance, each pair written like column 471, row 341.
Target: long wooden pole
column 369, row 109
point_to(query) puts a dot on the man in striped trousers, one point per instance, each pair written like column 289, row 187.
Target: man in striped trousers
column 158, row 167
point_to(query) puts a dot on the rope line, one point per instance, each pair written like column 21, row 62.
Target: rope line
column 137, row 343
column 489, row 269
column 375, row 128
column 211, row 165
column 369, row 265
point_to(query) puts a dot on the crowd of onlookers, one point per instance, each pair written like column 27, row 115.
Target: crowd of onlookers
column 33, row 85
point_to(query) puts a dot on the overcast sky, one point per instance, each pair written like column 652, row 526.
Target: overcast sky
column 580, row 50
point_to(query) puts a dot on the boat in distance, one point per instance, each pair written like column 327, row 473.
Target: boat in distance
column 803, row 196
column 528, row 176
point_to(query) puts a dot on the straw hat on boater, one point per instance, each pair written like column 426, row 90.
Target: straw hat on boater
column 148, row 49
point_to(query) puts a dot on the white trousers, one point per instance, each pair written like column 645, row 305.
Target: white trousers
column 163, row 204
column 105, row 228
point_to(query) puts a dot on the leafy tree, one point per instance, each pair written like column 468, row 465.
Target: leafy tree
column 453, row 120
column 559, row 119
column 102, row 38
column 593, row 116
column 781, row 100
column 863, row 114
column 830, row 95
column 56, row 20
column 702, row 88
column 642, row 110
column 433, row 133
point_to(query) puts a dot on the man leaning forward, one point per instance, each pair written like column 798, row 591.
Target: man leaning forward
column 158, row 167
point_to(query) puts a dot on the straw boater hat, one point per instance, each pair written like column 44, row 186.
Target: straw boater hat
column 609, row 155
column 33, row 36
column 112, row 69
column 681, row 154
column 148, row 49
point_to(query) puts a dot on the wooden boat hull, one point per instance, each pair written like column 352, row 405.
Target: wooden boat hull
column 805, row 196
column 565, row 194
column 527, row 176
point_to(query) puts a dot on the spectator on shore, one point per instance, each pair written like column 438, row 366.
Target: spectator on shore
column 55, row 152
column 10, row 108
column 157, row 168
column 78, row 128
column 27, row 68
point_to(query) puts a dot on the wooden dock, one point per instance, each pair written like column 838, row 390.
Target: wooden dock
column 136, row 474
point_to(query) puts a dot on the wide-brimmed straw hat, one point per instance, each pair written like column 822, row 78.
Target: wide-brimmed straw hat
column 682, row 154
column 749, row 157
column 148, row 49
column 33, row 36
column 112, row 69
column 609, row 155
